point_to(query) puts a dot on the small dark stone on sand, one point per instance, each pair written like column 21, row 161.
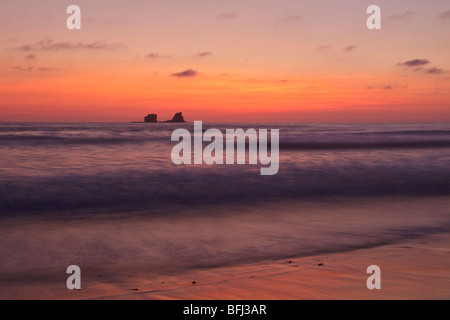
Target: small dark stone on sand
column 194, row 282
column 289, row 261
column 134, row 289
column 320, row 264
column 296, row 266
column 163, row 282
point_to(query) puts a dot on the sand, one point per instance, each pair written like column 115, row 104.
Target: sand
column 416, row 269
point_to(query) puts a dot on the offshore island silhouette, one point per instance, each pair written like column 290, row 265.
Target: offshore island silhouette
column 153, row 118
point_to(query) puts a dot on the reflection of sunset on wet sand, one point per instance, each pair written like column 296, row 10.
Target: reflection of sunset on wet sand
column 305, row 251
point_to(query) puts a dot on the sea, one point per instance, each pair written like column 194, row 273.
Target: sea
column 108, row 198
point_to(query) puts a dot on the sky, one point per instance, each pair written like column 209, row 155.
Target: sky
column 225, row 61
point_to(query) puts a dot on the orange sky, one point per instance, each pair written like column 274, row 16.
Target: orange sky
column 249, row 60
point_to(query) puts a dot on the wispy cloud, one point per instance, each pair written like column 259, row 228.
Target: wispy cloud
column 189, row 73
column 30, row 56
column 350, row 48
column 403, row 16
column 292, row 17
column 115, row 20
column 48, row 44
column 444, row 15
column 418, row 64
column 434, row 70
column 227, row 15
column 203, row 54
column 387, row 87
column 20, row 68
column 157, row 56
column 46, row 69
column 33, row 69
column 324, row 47
column 414, row 63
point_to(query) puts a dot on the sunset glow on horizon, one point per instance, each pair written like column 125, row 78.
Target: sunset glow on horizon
column 262, row 61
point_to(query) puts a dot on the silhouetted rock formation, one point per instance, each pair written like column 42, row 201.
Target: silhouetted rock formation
column 151, row 118
column 178, row 117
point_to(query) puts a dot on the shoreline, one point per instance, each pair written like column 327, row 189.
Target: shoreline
column 413, row 269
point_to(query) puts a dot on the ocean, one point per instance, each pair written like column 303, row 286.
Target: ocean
column 107, row 197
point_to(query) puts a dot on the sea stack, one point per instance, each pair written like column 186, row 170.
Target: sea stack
column 151, row 118
column 178, row 117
